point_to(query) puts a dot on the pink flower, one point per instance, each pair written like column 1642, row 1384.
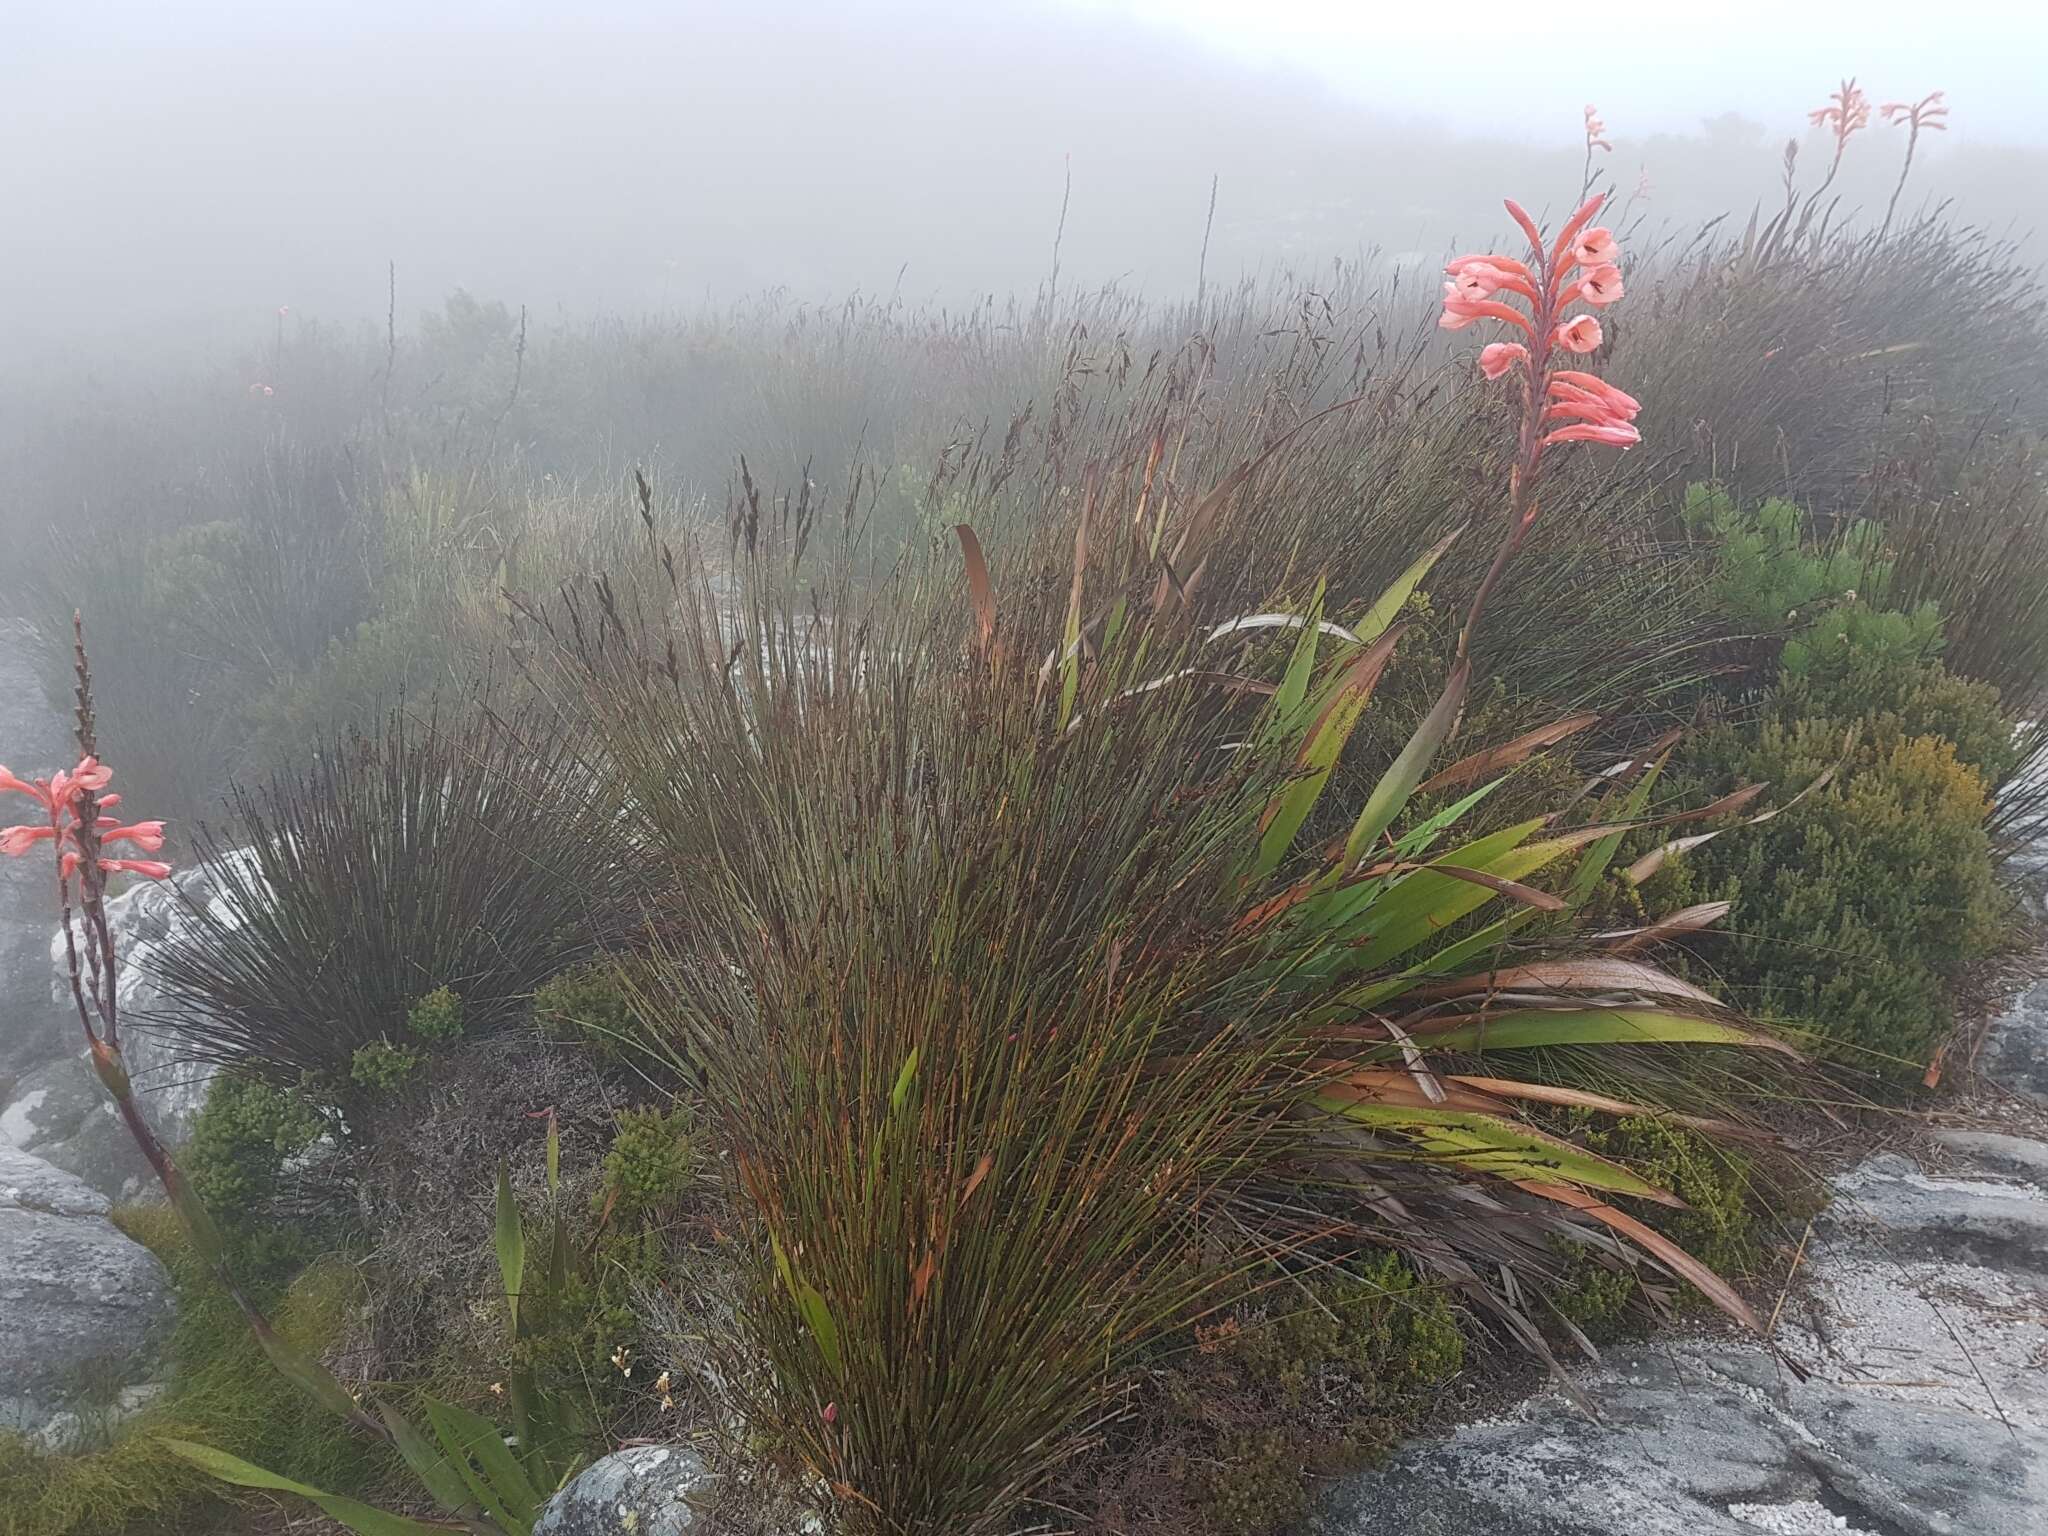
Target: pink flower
column 1506, row 264
column 146, row 835
column 1496, row 358
column 1581, row 333
column 1460, row 311
column 1596, row 248
column 149, row 869
column 91, row 774
column 36, row 792
column 15, row 841
column 1618, row 434
column 1601, row 286
column 1571, row 381
column 831, row 1413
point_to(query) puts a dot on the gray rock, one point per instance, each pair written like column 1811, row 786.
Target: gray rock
column 645, row 1490
column 1976, row 1221
column 2016, row 1050
column 2017, row 1156
column 77, row 1295
column 1687, row 1447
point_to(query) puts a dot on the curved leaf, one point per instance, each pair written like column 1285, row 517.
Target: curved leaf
column 1391, row 793
column 1659, row 1247
column 1388, row 605
column 1508, row 753
column 363, row 1518
column 1532, row 1028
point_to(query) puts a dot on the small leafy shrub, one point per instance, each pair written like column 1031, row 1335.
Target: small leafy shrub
column 649, row 1165
column 1855, row 910
column 1768, row 574
column 588, row 1005
column 1721, row 1225
column 1244, row 1412
column 383, row 1067
column 235, row 1159
column 437, row 1016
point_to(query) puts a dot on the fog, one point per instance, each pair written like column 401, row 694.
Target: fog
column 174, row 174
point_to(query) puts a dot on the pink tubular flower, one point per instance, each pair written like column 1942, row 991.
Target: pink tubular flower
column 1581, row 333
column 91, row 774
column 39, row 793
column 1497, row 357
column 1601, row 286
column 146, row 835
column 1618, row 434
column 15, row 841
column 1596, row 248
column 149, row 869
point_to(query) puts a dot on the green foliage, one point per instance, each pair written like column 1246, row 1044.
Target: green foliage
column 234, row 1158
column 383, row 1067
column 649, row 1165
column 438, row 1016
column 588, row 1004
column 1316, row 1378
column 1856, row 910
column 1722, row 1225
column 223, row 1391
column 1769, row 576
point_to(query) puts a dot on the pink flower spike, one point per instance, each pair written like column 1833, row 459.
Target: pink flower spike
column 15, row 841
column 1601, row 286
column 149, row 869
column 1617, row 434
column 1581, row 333
column 1498, row 357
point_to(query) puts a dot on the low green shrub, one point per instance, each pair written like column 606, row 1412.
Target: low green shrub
column 1242, row 1414
column 235, row 1158
column 587, row 1005
column 223, row 1392
column 437, row 1016
column 383, row 1067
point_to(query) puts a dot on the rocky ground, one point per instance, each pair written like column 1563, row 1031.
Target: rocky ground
column 1905, row 1391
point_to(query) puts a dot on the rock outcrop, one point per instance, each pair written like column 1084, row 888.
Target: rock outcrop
column 81, row 1303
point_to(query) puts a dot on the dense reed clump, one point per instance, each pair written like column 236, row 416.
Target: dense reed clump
column 1042, row 995
column 439, row 853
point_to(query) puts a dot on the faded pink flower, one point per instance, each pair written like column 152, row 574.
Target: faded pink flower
column 1596, row 248
column 149, row 869
column 1496, row 358
column 1618, row 434
column 1581, row 333
column 146, row 835
column 1601, row 286
column 15, row 841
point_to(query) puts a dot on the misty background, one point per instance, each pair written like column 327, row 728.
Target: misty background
column 173, row 175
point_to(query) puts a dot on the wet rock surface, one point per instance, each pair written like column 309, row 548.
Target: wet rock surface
column 81, row 1303
column 646, row 1490
column 1910, row 1397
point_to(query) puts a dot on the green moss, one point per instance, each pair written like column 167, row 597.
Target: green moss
column 383, row 1066
column 223, row 1392
column 1319, row 1379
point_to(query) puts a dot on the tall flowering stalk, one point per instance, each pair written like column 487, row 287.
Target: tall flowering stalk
column 86, row 845
column 1596, row 138
column 1923, row 116
column 1560, row 405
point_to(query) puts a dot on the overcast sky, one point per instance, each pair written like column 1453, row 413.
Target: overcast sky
column 180, row 169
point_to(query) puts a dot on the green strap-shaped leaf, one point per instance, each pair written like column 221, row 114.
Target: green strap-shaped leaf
column 477, row 1448
column 819, row 1317
column 1391, row 794
column 1370, row 909
column 1389, row 604
column 1502, row 1148
column 1527, row 1029
column 1332, row 728
column 429, row 1464
column 904, row 1079
column 364, row 1518
column 511, row 1242
column 1593, row 862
